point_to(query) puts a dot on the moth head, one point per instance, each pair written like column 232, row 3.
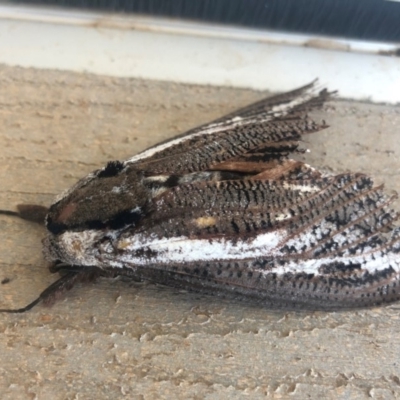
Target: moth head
column 112, row 197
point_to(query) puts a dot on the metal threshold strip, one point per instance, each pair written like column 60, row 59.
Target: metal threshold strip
column 198, row 53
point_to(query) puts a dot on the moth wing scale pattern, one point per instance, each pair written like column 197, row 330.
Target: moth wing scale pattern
column 222, row 209
column 319, row 242
column 261, row 126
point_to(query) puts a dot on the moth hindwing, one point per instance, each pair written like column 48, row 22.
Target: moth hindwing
column 223, row 209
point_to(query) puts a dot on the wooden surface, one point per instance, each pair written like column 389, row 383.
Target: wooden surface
column 120, row 339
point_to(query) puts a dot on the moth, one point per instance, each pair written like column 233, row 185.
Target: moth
column 223, row 210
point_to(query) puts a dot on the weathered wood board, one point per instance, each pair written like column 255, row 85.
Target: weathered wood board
column 119, row 338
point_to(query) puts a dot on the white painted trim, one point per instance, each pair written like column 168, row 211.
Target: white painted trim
column 165, row 49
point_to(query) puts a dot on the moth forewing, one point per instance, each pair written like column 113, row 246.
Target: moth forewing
column 222, row 209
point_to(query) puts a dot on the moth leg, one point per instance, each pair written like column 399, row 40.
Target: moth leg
column 29, row 212
column 53, row 292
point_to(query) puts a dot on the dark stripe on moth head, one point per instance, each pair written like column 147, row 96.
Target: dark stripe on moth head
column 95, row 225
column 119, row 221
column 59, row 226
column 102, row 201
column 124, row 218
column 112, row 168
column 55, row 227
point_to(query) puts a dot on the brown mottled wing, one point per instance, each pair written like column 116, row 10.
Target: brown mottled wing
column 262, row 133
column 328, row 242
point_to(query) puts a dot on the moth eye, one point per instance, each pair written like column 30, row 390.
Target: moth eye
column 111, row 169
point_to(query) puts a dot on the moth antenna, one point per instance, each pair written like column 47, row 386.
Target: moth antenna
column 29, row 212
column 55, row 290
column 9, row 212
column 23, row 309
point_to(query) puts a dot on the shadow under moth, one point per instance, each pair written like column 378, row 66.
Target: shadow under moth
column 223, row 209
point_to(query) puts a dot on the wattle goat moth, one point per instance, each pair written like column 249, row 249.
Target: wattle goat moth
column 223, row 209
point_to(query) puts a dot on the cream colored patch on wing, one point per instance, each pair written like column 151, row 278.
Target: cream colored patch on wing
column 205, row 222
column 123, row 244
column 282, row 217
